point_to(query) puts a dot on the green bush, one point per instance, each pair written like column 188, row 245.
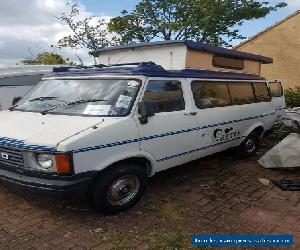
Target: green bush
column 292, row 97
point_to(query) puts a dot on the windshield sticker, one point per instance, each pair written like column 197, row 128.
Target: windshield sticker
column 123, row 101
column 132, row 84
column 97, row 109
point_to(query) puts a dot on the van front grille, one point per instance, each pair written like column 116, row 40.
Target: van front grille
column 11, row 157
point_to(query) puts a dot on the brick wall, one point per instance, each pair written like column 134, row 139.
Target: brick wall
column 282, row 43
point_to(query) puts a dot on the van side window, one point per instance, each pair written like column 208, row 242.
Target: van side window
column 261, row 92
column 241, row 93
column 227, row 62
column 276, row 89
column 167, row 95
column 210, row 94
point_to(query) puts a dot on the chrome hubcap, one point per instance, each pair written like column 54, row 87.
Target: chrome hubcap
column 123, row 190
column 250, row 145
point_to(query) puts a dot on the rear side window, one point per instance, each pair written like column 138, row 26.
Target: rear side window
column 276, row 89
column 210, row 94
column 167, row 95
column 261, row 92
column 241, row 93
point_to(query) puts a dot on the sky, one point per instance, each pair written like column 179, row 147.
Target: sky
column 30, row 26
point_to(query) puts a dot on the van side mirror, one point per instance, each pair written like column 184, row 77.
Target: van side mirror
column 16, row 100
column 146, row 110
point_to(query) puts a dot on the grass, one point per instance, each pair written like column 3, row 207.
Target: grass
column 119, row 241
column 172, row 210
column 171, row 241
column 155, row 240
column 168, row 241
column 279, row 135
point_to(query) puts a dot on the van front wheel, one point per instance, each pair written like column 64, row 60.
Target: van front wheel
column 119, row 188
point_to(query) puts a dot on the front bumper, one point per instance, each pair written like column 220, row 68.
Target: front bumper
column 71, row 187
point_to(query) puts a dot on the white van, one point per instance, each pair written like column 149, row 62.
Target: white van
column 101, row 132
column 15, row 82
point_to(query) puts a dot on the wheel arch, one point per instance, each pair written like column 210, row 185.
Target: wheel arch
column 143, row 159
column 258, row 127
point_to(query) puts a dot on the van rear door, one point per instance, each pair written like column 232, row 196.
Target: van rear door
column 278, row 99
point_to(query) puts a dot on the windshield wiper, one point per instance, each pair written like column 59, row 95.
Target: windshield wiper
column 73, row 103
column 41, row 98
column 85, row 101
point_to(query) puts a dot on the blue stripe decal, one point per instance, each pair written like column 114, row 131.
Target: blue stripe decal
column 10, row 142
column 152, row 137
column 198, row 149
column 105, row 146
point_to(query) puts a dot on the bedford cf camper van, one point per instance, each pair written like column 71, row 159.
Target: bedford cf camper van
column 101, row 132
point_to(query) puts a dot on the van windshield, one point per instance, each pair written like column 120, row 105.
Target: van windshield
column 95, row 97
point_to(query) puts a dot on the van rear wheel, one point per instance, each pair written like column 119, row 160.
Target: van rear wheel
column 248, row 147
column 119, row 188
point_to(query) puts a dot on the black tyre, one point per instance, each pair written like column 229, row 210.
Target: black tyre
column 248, row 147
column 119, row 188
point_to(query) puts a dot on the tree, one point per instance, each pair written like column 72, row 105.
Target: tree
column 89, row 32
column 47, row 58
column 209, row 21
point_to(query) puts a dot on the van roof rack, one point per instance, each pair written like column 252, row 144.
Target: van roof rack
column 148, row 69
column 138, row 66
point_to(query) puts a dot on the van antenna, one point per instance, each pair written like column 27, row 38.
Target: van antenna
column 78, row 57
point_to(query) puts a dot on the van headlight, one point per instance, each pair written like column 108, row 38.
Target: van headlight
column 45, row 161
column 59, row 163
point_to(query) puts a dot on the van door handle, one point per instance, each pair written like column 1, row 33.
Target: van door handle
column 190, row 113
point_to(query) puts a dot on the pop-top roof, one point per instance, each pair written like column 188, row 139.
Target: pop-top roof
column 191, row 45
column 148, row 69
